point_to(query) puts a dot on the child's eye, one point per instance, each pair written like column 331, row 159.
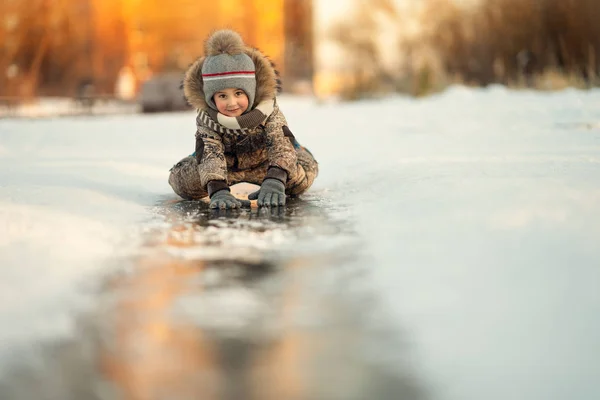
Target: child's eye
column 240, row 93
column 222, row 96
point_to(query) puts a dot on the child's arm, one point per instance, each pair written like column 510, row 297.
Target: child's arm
column 212, row 168
column 282, row 162
column 211, row 157
column 280, row 150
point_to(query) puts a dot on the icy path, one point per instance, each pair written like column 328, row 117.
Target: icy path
column 451, row 242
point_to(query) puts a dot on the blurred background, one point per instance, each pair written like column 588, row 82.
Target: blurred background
column 109, row 50
column 447, row 251
column 94, row 55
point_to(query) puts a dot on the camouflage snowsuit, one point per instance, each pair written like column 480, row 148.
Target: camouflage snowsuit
column 258, row 145
column 243, row 156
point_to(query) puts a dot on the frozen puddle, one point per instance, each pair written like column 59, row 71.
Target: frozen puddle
column 244, row 257
column 248, row 236
column 216, row 303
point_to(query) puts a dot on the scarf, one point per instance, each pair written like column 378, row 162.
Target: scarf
column 218, row 122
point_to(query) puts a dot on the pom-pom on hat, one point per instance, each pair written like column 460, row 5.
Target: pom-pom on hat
column 227, row 66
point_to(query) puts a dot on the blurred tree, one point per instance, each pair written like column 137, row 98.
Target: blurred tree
column 511, row 40
column 25, row 42
column 479, row 43
column 298, row 56
column 54, row 47
column 360, row 37
column 109, row 43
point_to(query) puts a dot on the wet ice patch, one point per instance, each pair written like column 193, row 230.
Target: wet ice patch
column 234, row 311
column 192, row 231
column 243, row 258
column 228, row 239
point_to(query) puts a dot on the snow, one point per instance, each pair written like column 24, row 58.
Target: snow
column 52, row 106
column 476, row 213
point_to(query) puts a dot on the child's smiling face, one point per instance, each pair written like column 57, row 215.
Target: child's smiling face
column 232, row 102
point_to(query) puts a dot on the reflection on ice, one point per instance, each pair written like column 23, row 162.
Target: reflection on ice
column 230, row 306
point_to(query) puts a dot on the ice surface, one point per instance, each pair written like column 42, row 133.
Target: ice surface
column 474, row 213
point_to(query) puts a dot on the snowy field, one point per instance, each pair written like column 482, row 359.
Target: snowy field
column 448, row 250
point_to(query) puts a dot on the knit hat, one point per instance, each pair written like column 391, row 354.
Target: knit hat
column 227, row 66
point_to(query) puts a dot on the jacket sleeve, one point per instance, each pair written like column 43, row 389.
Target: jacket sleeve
column 280, row 150
column 210, row 156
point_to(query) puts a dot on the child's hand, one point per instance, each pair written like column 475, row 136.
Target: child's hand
column 271, row 193
column 223, row 199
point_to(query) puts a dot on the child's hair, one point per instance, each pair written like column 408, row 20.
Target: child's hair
column 227, row 66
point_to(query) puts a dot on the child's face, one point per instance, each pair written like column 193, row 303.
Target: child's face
column 231, row 102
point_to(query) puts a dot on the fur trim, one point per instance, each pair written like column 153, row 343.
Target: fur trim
column 268, row 84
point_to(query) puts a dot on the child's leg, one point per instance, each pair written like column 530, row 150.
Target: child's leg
column 185, row 179
column 306, row 172
column 308, row 169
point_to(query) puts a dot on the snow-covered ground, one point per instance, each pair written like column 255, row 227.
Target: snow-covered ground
column 53, row 106
column 450, row 242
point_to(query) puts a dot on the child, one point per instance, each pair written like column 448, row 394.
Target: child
column 241, row 135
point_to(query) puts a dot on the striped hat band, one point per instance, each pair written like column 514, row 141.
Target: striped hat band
column 229, row 75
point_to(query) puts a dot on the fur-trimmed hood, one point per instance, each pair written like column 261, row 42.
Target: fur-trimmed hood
column 267, row 78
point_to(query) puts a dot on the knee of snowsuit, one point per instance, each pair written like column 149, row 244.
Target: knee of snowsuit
column 184, row 176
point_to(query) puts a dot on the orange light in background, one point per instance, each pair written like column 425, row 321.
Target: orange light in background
column 269, row 34
column 99, row 40
column 170, row 38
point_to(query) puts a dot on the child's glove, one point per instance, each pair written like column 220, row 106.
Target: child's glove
column 223, row 199
column 271, row 193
